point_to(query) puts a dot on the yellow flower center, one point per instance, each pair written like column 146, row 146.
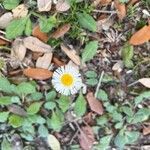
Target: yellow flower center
column 67, row 79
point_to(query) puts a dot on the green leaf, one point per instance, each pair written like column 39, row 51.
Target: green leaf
column 132, row 136
column 102, row 120
column 36, row 96
column 92, row 81
column 15, row 28
column 104, row 142
column 127, row 110
column 86, row 21
column 16, row 121
column 46, row 25
column 89, row 51
column 64, row 103
column 102, row 95
column 127, row 53
column 51, row 95
column 10, row 4
column 42, row 130
column 116, row 116
column 50, row 105
column 25, row 88
column 34, row 108
column 28, row 27
column 91, row 74
column 5, row 100
column 142, row 97
column 119, row 125
column 3, row 116
column 5, row 145
column 80, row 106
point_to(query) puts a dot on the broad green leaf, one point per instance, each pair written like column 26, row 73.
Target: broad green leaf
column 127, row 110
column 142, row 97
column 10, row 4
column 102, row 120
column 46, row 24
column 3, row 116
column 50, row 105
column 42, row 130
column 89, row 51
column 5, row 100
column 36, row 96
column 28, row 28
column 5, row 85
column 55, row 122
column 51, row 95
column 92, row 81
column 104, row 142
column 34, row 108
column 119, row 125
column 127, row 53
column 80, row 106
column 15, row 28
column 16, row 121
column 86, row 21
column 102, row 95
column 91, row 74
column 116, row 116
column 64, row 103
column 5, row 145
column 132, row 136
column 25, row 88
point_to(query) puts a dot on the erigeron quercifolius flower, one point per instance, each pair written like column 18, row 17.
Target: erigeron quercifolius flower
column 67, row 80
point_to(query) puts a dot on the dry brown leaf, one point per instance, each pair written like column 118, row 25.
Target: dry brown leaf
column 35, row 45
column 105, row 2
column 44, row 5
column 146, row 130
column 5, row 19
column 141, row 36
column 15, row 109
column 121, row 9
column 18, row 49
column 20, row 11
column 57, row 62
column 86, row 138
column 37, row 73
column 71, row 54
column 61, row 31
column 3, row 42
column 62, row 5
column 36, row 55
column 39, row 34
column 94, row 104
column 44, row 61
column 145, row 82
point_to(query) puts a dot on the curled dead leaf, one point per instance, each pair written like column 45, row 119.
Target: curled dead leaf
column 57, row 62
column 39, row 34
column 146, row 130
column 86, row 138
column 18, row 49
column 141, row 36
column 121, row 9
column 95, row 105
column 61, row 31
column 44, row 61
column 3, row 42
column 145, row 82
column 20, row 11
column 44, row 5
column 62, row 5
column 35, row 45
column 38, row 73
column 71, row 54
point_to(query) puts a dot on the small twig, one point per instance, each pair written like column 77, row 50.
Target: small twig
column 2, row 32
column 1, row 37
column 99, row 83
column 74, row 136
column 105, row 11
column 131, row 84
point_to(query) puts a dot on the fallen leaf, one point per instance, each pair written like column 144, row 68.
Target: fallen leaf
column 20, row 11
column 5, row 19
column 44, row 5
column 88, row 118
column 145, row 82
column 146, row 130
column 141, row 36
column 36, row 55
column 121, row 9
column 62, row 5
column 35, row 45
column 86, row 138
column 94, row 104
column 3, row 42
column 39, row 34
column 57, row 62
column 18, row 49
column 105, row 2
column 61, row 31
column 118, row 66
column 44, row 61
column 15, row 109
column 53, row 142
column 71, row 54
column 37, row 73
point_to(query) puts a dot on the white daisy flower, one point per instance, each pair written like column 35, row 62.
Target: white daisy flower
column 67, row 80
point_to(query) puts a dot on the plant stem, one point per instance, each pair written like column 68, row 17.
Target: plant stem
column 5, row 48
